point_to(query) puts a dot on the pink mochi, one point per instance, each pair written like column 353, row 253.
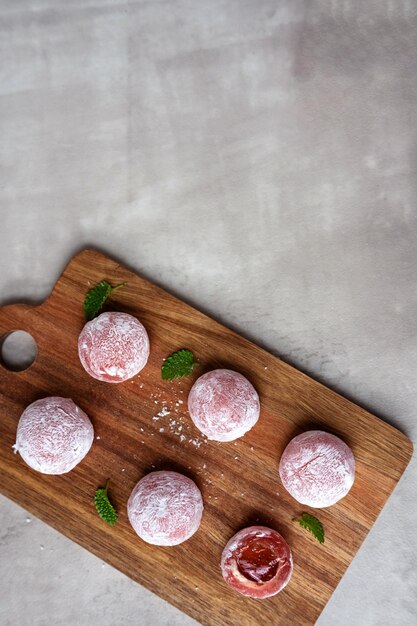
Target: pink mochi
column 53, row 435
column 317, row 469
column 223, row 405
column 257, row 562
column 113, row 347
column 165, row 508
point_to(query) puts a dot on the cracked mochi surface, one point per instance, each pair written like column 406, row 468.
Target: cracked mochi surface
column 113, row 347
column 223, row 405
column 53, row 435
column 165, row 508
column 317, row 468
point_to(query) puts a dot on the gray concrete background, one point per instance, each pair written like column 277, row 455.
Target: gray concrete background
column 257, row 158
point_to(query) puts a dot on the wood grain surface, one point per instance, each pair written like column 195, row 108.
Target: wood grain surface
column 143, row 424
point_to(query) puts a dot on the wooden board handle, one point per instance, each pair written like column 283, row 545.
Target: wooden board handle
column 14, row 317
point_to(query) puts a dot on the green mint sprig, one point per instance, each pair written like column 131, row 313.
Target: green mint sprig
column 178, row 364
column 312, row 524
column 96, row 298
column 104, row 507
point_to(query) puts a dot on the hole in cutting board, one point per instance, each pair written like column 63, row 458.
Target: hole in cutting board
column 18, row 350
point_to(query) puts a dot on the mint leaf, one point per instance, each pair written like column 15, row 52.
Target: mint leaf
column 96, row 298
column 104, row 507
column 178, row 364
column 312, row 524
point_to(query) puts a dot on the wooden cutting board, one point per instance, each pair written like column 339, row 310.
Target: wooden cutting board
column 143, row 425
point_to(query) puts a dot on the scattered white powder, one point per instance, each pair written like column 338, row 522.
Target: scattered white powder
column 164, row 411
column 176, row 424
column 196, row 442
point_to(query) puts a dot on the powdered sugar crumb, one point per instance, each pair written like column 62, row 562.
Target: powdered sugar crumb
column 176, row 424
column 196, row 442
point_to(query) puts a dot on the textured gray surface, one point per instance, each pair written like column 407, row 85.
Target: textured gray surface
column 257, row 158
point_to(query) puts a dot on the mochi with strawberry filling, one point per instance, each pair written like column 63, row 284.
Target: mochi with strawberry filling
column 257, row 562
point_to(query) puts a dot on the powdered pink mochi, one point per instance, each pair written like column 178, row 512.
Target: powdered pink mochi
column 223, row 405
column 165, row 508
column 113, row 347
column 257, row 562
column 53, row 435
column 317, row 468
